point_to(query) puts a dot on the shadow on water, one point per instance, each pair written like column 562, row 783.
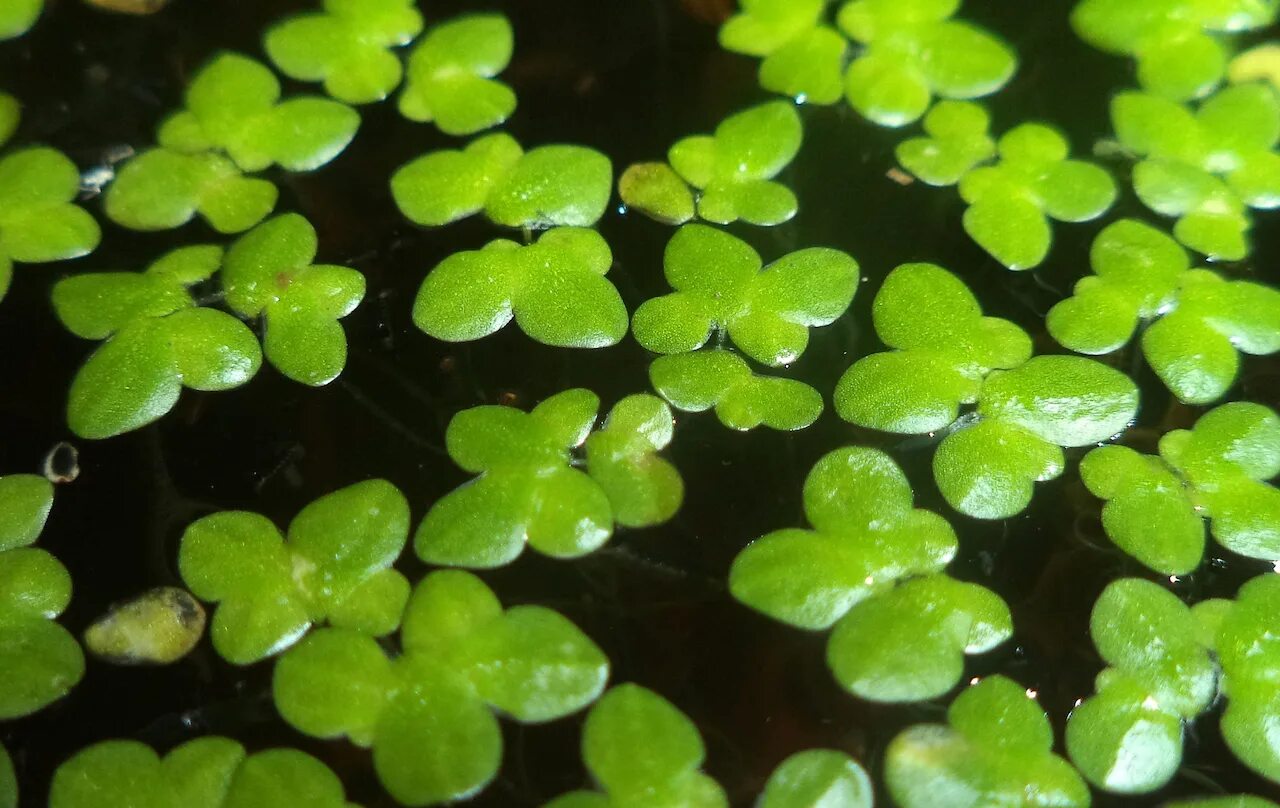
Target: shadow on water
column 629, row 78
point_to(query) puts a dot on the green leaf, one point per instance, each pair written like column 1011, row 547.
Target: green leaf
column 638, row 746
column 555, row 289
column 909, row 643
column 270, row 590
column 957, row 142
column 10, row 116
column 334, row 683
column 764, row 26
column 38, row 222
column 17, row 17
column 131, row 381
column 25, row 502
column 158, row 627
column 695, row 382
column 1244, row 801
column 817, row 778
column 553, row 186
column 995, row 751
column 347, row 46
column 42, row 662
column 808, row 68
column 1064, row 400
column 867, row 535
column 161, row 189
column 450, row 76
column 445, row 186
column 643, row 488
column 766, row 312
column 885, row 91
column 1181, row 66
column 988, row 471
column 657, row 191
column 8, row 781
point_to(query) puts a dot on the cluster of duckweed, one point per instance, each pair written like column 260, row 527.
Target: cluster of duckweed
column 420, row 674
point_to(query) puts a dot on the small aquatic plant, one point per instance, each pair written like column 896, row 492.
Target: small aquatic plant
column 41, row 660
column 555, row 290
column 1156, row 507
column 529, row 490
column 816, row 778
column 946, row 354
column 158, row 627
column 722, row 287
column 995, row 749
column 1144, row 277
column 333, row 566
column 803, row 58
column 349, row 45
column 871, row 567
column 461, row 657
column 17, row 17
column 8, row 781
column 640, row 749
column 157, row 340
column 548, row 186
column 210, row 771
column 743, row 399
column 450, row 79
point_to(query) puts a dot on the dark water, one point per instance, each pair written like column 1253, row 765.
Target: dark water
column 627, row 77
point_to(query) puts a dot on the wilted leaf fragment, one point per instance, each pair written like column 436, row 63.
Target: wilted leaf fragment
column 743, row 400
column 996, row 749
column 451, row 75
column 531, row 491
column 211, row 771
column 349, row 46
column 269, row 274
column 642, row 750
column 555, row 290
column 720, row 285
column 462, row 658
column 335, row 565
column 158, row 627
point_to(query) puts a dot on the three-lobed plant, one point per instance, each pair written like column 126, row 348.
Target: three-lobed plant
column 723, row 177
column 428, row 713
column 722, row 287
column 944, row 355
column 334, row 566
column 157, row 340
column 450, row 79
column 1197, row 322
column 641, row 750
column 548, row 186
column 349, row 45
column 210, row 772
column 1208, row 167
column 40, row 659
column 871, row 566
column 995, row 749
column 555, row 290
column 717, row 377
column 803, row 58
column 1156, row 507
column 530, row 489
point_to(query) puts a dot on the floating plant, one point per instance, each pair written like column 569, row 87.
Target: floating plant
column 716, row 377
column 1205, row 168
column 947, row 354
column 1199, row 321
column 234, row 106
column 1242, row 801
column 913, row 51
column 1127, row 738
column 450, row 76
column 1180, row 45
column 1245, row 640
column 732, row 172
column 269, row 274
column 158, row 627
column 956, row 141
column 161, row 189
column 17, row 17
column 1259, row 63
column 995, row 749
column 8, row 781
column 10, row 116
column 349, row 46
column 871, row 566
column 818, row 778
column 641, row 750
column 721, row 287
column 803, row 59
column 549, row 186
column 157, row 341
column 529, row 490
column 334, row 566
column 40, row 659
column 209, row 772
column 462, row 657
column 38, row 218
column 1217, row 471
column 555, row 289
